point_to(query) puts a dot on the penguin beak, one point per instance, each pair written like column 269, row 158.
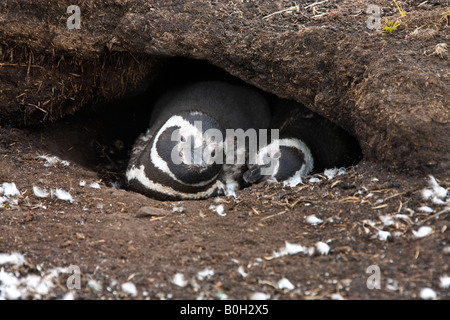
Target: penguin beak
column 254, row 174
column 197, row 157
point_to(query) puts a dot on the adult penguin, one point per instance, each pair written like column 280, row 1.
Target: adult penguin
column 182, row 154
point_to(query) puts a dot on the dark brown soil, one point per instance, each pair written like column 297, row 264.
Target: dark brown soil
column 389, row 90
column 114, row 237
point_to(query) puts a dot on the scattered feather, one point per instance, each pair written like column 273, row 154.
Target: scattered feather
column 63, row 195
column 438, row 191
column 53, row 160
column 180, row 208
column 95, row 285
column 129, row 288
column 205, row 273
column 222, row 296
column 82, row 183
column 293, row 182
column 397, row 234
column 444, row 282
column 427, row 294
column 68, row 296
column 242, row 272
column 313, row 220
column 40, row 193
column 94, row 185
column 426, row 194
column 260, row 296
column 331, row 173
column 403, row 217
column 219, row 209
column 13, row 287
column 292, row 248
column 285, row 284
column 387, row 220
column 422, row 232
column 336, row 296
column 10, row 189
column 14, row 258
column 383, row 235
column 392, row 285
column 179, row 280
column 314, row 180
column 322, row 248
column 9, row 286
column 36, row 284
column 426, row 209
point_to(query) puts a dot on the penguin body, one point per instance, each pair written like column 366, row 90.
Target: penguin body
column 181, row 156
column 305, row 142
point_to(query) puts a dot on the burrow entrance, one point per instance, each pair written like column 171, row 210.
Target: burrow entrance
column 100, row 137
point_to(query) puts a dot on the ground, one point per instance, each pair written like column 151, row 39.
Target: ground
column 187, row 250
column 359, row 234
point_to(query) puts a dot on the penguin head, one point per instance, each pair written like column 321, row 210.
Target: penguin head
column 186, row 148
column 282, row 160
column 179, row 159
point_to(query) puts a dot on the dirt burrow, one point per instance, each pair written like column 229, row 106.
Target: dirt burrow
column 366, row 222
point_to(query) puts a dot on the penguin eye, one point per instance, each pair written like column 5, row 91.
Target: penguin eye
column 274, row 155
column 182, row 138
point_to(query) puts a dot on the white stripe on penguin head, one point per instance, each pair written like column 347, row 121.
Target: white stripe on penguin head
column 159, row 163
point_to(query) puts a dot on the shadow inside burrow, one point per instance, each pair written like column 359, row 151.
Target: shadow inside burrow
column 100, row 136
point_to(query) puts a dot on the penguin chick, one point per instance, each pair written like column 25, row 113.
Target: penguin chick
column 181, row 155
column 307, row 141
column 286, row 160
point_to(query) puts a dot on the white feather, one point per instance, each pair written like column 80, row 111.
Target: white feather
column 40, row 193
column 63, row 195
column 422, row 232
column 10, row 189
column 313, row 220
column 322, row 248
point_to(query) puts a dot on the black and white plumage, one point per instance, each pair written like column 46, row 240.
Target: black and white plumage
column 305, row 142
column 181, row 156
column 286, row 160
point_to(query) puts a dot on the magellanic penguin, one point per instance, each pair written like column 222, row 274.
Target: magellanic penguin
column 305, row 142
column 182, row 154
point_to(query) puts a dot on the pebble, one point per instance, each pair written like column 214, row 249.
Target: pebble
column 145, row 212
